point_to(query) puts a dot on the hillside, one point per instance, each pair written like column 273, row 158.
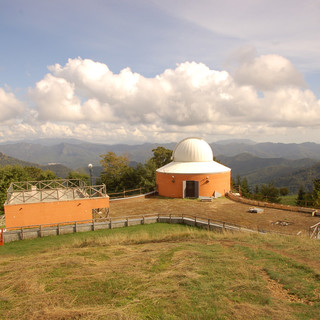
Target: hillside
column 160, row 272
column 284, row 164
column 282, row 172
column 76, row 154
column 291, row 151
column 59, row 169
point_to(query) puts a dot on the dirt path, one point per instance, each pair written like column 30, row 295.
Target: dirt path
column 221, row 209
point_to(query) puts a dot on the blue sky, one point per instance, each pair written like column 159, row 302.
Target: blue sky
column 137, row 71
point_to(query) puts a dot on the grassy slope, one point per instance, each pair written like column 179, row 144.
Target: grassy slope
column 290, row 199
column 160, row 272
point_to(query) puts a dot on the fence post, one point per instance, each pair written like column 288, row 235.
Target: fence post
column 22, row 236
column 93, row 225
column 158, row 220
column 182, row 218
column 224, row 226
column 76, row 227
column 40, row 231
column 195, row 221
column 127, row 223
column 110, row 224
column 209, row 224
column 142, row 219
column 58, row 229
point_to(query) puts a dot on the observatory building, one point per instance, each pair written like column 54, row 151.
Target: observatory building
column 193, row 173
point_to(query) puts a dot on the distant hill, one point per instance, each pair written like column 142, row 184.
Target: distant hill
column 282, row 172
column 289, row 165
column 291, row 151
column 77, row 155
column 59, row 169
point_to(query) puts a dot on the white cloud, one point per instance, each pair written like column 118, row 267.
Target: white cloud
column 85, row 100
column 10, row 106
column 189, row 94
column 268, row 72
column 55, row 99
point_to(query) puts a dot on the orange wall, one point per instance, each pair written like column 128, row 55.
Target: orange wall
column 219, row 182
column 19, row 215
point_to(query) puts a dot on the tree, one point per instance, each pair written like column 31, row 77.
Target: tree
column 243, row 186
column 115, row 171
column 270, row 193
column 304, row 199
column 161, row 156
column 150, row 174
column 80, row 176
column 245, row 189
column 47, row 175
column 316, row 193
column 14, row 173
column 300, row 200
column 284, row 191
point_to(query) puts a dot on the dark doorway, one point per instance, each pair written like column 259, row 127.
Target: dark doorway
column 191, row 189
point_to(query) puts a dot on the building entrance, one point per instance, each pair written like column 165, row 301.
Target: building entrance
column 190, row 189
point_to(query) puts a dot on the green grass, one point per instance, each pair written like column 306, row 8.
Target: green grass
column 160, row 271
column 289, row 200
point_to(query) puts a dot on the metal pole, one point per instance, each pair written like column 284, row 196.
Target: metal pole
column 90, row 170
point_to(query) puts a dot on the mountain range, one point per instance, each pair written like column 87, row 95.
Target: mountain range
column 59, row 169
column 291, row 165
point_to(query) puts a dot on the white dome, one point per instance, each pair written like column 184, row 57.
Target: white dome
column 192, row 150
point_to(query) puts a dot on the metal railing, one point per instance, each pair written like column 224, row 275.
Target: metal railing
column 52, row 190
column 34, row 231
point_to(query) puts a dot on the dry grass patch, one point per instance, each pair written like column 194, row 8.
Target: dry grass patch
column 156, row 272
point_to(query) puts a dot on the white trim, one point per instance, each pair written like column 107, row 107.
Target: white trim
column 193, row 168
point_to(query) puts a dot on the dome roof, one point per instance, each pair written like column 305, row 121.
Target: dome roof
column 193, row 156
column 192, row 150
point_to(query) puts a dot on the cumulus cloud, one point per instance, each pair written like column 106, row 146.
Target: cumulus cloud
column 176, row 96
column 55, row 99
column 268, row 72
column 84, row 99
column 10, row 106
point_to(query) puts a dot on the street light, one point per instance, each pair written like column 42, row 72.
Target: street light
column 90, row 170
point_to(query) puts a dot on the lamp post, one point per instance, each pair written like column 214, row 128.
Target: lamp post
column 90, row 170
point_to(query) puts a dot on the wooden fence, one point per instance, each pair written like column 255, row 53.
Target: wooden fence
column 237, row 198
column 129, row 193
column 36, row 231
column 314, row 231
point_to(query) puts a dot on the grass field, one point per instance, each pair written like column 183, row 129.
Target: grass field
column 290, row 199
column 160, row 271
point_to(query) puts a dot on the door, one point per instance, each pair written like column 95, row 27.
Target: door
column 191, row 189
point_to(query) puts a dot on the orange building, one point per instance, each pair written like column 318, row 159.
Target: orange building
column 51, row 202
column 193, row 173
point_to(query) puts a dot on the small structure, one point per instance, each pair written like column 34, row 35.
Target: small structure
column 55, row 201
column 193, row 173
column 255, row 210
